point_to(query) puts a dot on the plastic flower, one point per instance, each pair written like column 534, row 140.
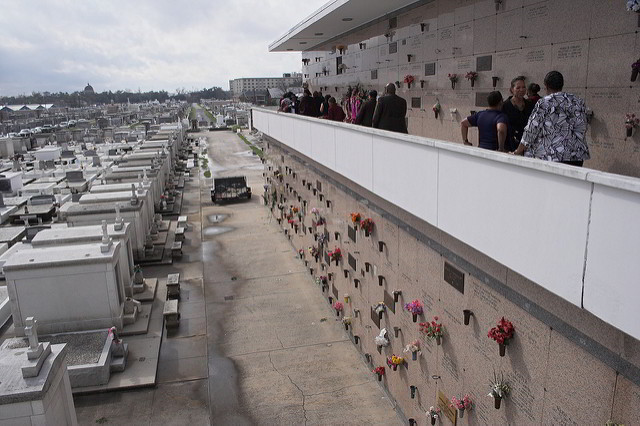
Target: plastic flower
column 436, row 107
column 408, row 79
column 381, row 339
column 432, row 329
column 367, row 225
column 453, row 77
column 502, row 332
column 355, row 218
column 631, row 121
column 379, row 370
column 414, row 307
column 346, row 320
column 412, row 347
column 498, row 387
column 471, row 75
column 379, row 307
column 336, row 254
column 338, row 306
column 433, row 412
column 461, row 404
column 636, row 65
column 633, row 6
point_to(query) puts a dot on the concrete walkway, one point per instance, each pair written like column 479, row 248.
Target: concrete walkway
column 257, row 343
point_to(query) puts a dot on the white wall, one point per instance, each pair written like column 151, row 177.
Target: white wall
column 574, row 231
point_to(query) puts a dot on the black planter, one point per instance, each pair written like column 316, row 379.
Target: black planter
column 503, row 349
column 467, row 316
column 413, row 392
column 379, row 377
column 472, row 82
column 629, row 132
column 496, row 402
column 433, row 420
column 366, row 233
column 415, row 317
column 337, row 313
column 495, row 81
column 346, row 327
column 634, row 74
column 414, row 356
column 356, row 339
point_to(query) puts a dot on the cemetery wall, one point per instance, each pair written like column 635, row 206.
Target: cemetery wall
column 563, row 364
column 593, row 43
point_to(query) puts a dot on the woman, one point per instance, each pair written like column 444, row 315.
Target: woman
column 518, row 109
column 324, row 108
column 335, row 113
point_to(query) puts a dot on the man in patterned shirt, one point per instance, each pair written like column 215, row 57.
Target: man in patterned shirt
column 557, row 127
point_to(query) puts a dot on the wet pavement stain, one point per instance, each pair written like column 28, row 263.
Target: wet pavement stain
column 216, row 230
column 217, row 218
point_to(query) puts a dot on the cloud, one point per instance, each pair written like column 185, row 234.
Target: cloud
column 60, row 45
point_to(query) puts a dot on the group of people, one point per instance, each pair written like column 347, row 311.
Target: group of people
column 551, row 128
column 387, row 112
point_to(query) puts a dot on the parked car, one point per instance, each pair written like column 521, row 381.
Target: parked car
column 47, row 128
column 63, row 124
column 36, row 130
column 72, row 123
column 24, row 133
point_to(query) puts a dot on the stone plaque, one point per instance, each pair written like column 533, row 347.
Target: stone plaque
column 351, row 231
column 416, row 102
column 75, row 176
column 393, row 47
column 327, row 259
column 448, row 412
column 484, row 63
column 334, row 290
column 430, row 68
column 374, row 74
column 481, row 99
column 374, row 317
column 352, row 262
column 454, row 276
column 282, row 158
column 388, row 300
column 319, row 185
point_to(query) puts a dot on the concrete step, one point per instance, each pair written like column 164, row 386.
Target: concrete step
column 119, row 363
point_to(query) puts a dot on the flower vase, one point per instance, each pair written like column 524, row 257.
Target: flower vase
column 436, row 114
column 408, row 85
column 366, row 233
column 415, row 317
column 337, row 260
column 346, row 327
column 629, row 132
column 461, row 412
column 414, row 355
column 438, row 340
column 473, row 82
column 433, row 420
column 453, row 85
column 337, row 313
column 496, row 402
column 495, row 81
column 395, row 367
column 380, row 315
column 503, row 349
column 634, row 74
column 467, row 316
column 379, row 377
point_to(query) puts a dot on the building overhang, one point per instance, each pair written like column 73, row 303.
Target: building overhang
column 337, row 19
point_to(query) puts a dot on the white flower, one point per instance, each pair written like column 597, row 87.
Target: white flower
column 381, row 339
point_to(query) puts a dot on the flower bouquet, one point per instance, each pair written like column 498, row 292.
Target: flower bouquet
column 314, row 252
column 502, row 333
column 381, row 339
column 453, row 78
column 635, row 68
column 355, row 218
column 461, row 404
column 409, row 79
column 433, row 330
column 295, row 210
column 499, row 389
column 433, row 414
column 413, row 348
column 380, row 372
column 347, row 322
column 335, row 255
column 301, row 253
column 367, row 226
column 394, row 361
column 436, row 109
column 471, row 76
column 415, row 308
column 338, row 306
column 630, row 123
column 346, row 298
column 633, row 6
column 379, row 309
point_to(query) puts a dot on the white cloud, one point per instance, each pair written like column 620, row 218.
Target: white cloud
column 60, row 45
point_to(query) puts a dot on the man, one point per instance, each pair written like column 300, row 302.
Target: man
column 335, row 113
column 491, row 124
column 365, row 114
column 557, row 128
column 317, row 101
column 307, row 105
column 390, row 111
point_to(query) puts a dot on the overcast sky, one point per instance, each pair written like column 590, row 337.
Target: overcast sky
column 61, row 45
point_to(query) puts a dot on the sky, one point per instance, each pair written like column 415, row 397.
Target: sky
column 61, row 45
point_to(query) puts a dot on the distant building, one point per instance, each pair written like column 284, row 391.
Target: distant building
column 239, row 86
column 88, row 89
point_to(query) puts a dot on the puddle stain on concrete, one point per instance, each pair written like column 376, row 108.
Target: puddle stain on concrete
column 216, row 230
column 216, row 218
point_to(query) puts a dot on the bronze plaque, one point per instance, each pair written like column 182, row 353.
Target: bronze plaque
column 416, row 102
column 334, row 290
column 351, row 232
column 484, row 63
column 443, row 404
column 374, row 317
column 374, row 74
column 481, row 99
column 388, row 300
column 454, row 276
column 393, row 47
column 352, row 262
column 430, row 68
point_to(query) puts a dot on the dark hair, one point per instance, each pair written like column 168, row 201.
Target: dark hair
column 307, row 92
column 533, row 88
column 554, row 80
column 373, row 94
column 327, row 97
column 521, row 78
column 332, row 100
column 494, row 98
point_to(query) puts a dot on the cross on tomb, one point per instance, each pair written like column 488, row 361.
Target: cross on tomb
column 31, row 332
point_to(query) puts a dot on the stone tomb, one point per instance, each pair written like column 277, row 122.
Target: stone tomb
column 132, row 194
column 68, row 288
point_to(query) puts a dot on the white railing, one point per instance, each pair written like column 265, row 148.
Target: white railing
column 574, row 231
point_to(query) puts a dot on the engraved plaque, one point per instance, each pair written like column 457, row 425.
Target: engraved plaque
column 374, row 317
column 443, row 404
column 374, row 74
column 484, row 63
column 334, row 290
column 319, row 185
column 416, row 102
column 481, row 99
column 393, row 47
column 454, row 276
column 393, row 22
column 388, row 300
column 430, row 68
column 351, row 232
column 282, row 158
column 352, row 262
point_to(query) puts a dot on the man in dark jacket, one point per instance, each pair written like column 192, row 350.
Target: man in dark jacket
column 390, row 111
column 307, row 105
column 365, row 114
column 317, row 101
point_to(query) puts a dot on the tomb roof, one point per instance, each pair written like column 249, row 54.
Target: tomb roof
column 64, row 235
column 51, row 256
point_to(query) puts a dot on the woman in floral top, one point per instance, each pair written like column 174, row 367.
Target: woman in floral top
column 557, row 128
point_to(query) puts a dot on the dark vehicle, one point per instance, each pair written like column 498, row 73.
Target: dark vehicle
column 230, row 189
